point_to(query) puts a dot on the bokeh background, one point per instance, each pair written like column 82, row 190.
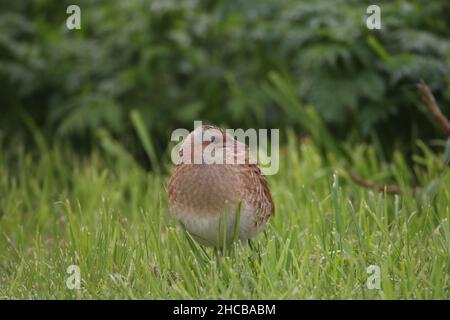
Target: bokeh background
column 86, row 117
column 234, row 63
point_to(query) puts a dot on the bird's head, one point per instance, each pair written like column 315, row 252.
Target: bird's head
column 208, row 144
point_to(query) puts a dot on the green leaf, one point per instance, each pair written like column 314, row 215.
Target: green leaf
column 145, row 138
column 447, row 152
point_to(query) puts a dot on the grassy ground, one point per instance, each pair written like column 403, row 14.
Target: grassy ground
column 109, row 217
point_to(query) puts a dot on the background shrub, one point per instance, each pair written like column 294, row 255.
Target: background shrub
column 176, row 61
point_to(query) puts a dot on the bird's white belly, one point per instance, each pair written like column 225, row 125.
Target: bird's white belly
column 208, row 229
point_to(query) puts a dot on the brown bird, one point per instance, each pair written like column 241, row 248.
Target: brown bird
column 205, row 195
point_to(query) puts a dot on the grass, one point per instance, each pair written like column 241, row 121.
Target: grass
column 107, row 215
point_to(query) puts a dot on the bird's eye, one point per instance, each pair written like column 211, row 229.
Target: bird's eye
column 213, row 138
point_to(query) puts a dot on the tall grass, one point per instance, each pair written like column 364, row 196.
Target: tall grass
column 107, row 215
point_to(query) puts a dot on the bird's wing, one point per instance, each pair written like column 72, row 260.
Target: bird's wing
column 258, row 195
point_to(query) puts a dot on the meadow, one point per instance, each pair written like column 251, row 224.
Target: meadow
column 104, row 213
column 362, row 195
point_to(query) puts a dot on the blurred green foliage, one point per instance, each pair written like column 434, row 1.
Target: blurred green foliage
column 178, row 60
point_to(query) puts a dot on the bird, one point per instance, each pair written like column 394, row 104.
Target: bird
column 209, row 190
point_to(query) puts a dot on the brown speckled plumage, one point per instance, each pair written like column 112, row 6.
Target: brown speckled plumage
column 199, row 194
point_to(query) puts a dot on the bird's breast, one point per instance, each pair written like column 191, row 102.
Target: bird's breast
column 204, row 189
